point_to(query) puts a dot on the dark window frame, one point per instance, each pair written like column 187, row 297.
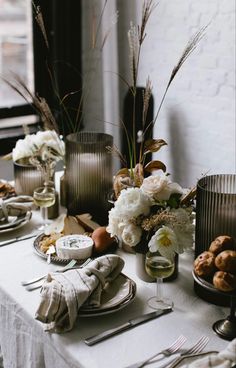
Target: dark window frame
column 63, row 26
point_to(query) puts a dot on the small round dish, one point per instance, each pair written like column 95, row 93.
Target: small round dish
column 53, row 258
column 39, row 252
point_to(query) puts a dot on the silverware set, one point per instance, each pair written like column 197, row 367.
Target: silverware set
column 175, row 359
column 30, row 284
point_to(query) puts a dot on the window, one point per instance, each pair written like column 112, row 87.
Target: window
column 23, row 51
column 15, row 47
column 16, row 56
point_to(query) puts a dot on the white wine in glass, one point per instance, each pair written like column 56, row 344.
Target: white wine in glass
column 159, row 267
column 44, row 197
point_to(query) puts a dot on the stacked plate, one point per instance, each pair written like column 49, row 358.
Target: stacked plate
column 14, row 222
column 115, row 296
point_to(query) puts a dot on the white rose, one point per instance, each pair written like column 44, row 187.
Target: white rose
column 160, row 187
column 132, row 202
column 165, row 242
column 131, row 235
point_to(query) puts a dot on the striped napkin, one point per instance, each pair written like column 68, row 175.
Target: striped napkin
column 63, row 294
column 15, row 206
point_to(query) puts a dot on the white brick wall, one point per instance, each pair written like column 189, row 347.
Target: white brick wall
column 198, row 116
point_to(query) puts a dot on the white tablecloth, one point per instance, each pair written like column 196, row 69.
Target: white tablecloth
column 25, row 344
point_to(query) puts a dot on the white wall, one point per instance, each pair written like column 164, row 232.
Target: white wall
column 198, row 116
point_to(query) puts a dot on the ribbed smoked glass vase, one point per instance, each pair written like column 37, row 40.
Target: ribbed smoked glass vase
column 26, row 177
column 88, row 174
column 215, row 216
column 215, row 209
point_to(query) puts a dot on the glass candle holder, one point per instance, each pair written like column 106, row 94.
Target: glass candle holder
column 88, row 174
column 215, row 209
column 26, row 177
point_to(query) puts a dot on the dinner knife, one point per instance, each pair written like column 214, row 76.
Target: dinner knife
column 17, row 239
column 131, row 323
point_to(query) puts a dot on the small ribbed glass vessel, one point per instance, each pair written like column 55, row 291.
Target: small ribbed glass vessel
column 215, row 209
column 26, row 177
column 88, row 174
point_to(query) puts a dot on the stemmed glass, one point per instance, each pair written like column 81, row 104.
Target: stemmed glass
column 44, row 197
column 159, row 267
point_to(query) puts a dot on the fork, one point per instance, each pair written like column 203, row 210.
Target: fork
column 166, row 352
column 37, row 286
column 32, row 281
column 196, row 348
column 193, row 351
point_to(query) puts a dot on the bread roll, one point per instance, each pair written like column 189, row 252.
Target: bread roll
column 226, row 261
column 204, row 264
column 223, row 242
column 224, row 281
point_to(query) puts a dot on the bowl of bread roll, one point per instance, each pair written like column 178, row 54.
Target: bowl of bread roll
column 214, row 271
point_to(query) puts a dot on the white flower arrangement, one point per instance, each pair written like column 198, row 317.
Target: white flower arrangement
column 156, row 216
column 47, row 143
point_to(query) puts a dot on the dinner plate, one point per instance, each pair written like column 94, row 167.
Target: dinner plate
column 11, row 222
column 15, row 223
column 115, row 296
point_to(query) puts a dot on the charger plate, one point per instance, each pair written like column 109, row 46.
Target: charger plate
column 115, row 296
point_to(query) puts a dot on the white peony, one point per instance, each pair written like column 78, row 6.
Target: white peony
column 23, row 148
column 132, row 202
column 131, row 235
column 115, row 223
column 51, row 139
column 159, row 187
column 183, row 228
column 164, row 241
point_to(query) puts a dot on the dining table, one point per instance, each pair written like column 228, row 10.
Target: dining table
column 25, row 343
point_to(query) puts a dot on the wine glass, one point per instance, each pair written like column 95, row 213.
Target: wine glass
column 159, row 267
column 44, row 197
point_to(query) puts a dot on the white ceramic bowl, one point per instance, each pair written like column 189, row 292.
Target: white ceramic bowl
column 74, row 247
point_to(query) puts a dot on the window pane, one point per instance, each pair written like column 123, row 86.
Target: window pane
column 15, row 47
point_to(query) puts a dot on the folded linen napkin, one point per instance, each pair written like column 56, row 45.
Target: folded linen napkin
column 62, row 294
column 15, row 206
column 224, row 359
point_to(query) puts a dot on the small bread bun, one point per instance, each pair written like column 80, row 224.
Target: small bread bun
column 226, row 261
column 224, row 281
column 204, row 264
column 223, row 242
